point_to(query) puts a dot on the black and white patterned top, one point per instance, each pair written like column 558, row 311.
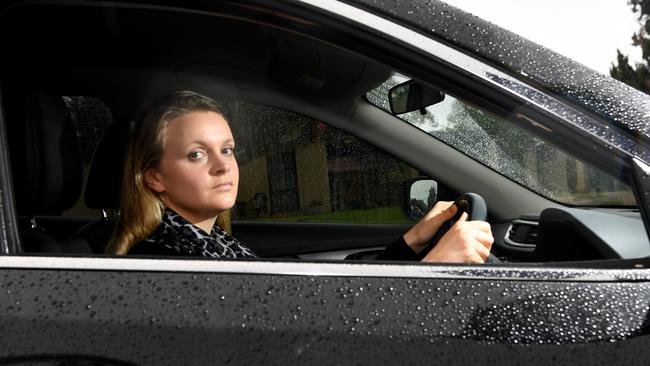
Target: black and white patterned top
column 177, row 236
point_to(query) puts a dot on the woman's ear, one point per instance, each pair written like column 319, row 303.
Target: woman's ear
column 153, row 181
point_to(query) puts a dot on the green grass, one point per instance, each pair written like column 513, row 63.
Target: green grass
column 381, row 215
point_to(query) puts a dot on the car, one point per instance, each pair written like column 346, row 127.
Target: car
column 351, row 119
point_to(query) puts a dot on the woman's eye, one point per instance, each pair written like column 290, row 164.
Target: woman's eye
column 228, row 151
column 195, row 155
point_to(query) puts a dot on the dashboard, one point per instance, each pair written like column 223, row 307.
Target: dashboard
column 572, row 234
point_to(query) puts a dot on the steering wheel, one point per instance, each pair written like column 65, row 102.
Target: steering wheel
column 476, row 209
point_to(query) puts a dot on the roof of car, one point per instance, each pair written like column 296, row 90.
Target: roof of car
column 132, row 54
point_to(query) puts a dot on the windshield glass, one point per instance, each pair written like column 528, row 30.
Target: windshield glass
column 512, row 151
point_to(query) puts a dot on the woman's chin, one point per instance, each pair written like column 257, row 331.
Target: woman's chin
column 224, row 204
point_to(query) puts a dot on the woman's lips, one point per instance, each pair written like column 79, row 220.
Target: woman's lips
column 223, row 186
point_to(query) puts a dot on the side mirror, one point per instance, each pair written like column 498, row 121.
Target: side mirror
column 412, row 95
column 421, row 195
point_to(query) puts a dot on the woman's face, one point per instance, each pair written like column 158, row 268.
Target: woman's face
column 197, row 175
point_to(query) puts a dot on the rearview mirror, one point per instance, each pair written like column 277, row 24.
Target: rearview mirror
column 422, row 194
column 412, row 95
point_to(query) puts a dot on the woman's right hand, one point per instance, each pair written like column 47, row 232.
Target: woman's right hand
column 420, row 235
column 465, row 242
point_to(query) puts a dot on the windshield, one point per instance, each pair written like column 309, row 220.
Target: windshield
column 512, row 151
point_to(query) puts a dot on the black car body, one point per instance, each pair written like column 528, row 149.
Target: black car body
column 303, row 82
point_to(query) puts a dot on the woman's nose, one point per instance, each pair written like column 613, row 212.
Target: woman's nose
column 220, row 165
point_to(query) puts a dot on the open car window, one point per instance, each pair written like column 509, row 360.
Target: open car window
column 324, row 174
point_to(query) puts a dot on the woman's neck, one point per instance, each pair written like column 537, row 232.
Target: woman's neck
column 203, row 222
column 205, row 225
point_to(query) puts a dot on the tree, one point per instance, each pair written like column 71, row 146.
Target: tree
column 637, row 76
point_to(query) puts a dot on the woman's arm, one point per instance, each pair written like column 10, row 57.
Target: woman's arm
column 465, row 242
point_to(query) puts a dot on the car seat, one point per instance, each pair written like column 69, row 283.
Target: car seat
column 103, row 185
column 46, row 169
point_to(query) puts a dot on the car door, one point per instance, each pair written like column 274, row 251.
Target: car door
column 124, row 310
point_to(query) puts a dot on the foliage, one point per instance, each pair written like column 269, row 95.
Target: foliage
column 637, row 76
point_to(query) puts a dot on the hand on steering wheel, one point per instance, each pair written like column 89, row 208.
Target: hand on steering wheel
column 456, row 239
column 465, row 242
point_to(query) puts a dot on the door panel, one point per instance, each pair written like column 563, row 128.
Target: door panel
column 275, row 239
column 166, row 318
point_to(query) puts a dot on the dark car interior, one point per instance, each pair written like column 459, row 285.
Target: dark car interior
column 127, row 56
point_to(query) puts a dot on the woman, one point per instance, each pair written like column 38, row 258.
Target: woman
column 181, row 179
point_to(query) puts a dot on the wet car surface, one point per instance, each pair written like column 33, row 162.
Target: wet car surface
column 219, row 318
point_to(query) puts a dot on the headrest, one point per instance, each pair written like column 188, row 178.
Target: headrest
column 107, row 168
column 45, row 159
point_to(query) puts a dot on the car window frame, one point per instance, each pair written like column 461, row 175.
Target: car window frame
column 421, row 53
column 10, row 242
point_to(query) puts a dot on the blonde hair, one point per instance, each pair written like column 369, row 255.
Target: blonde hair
column 141, row 207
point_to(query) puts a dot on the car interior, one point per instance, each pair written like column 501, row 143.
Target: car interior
column 74, row 82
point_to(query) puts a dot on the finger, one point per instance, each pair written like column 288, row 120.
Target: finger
column 483, row 226
column 482, row 251
column 462, row 218
column 477, row 258
column 443, row 205
column 448, row 212
column 437, row 209
column 486, row 239
column 442, row 208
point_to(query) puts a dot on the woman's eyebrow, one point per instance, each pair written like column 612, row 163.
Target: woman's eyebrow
column 204, row 143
